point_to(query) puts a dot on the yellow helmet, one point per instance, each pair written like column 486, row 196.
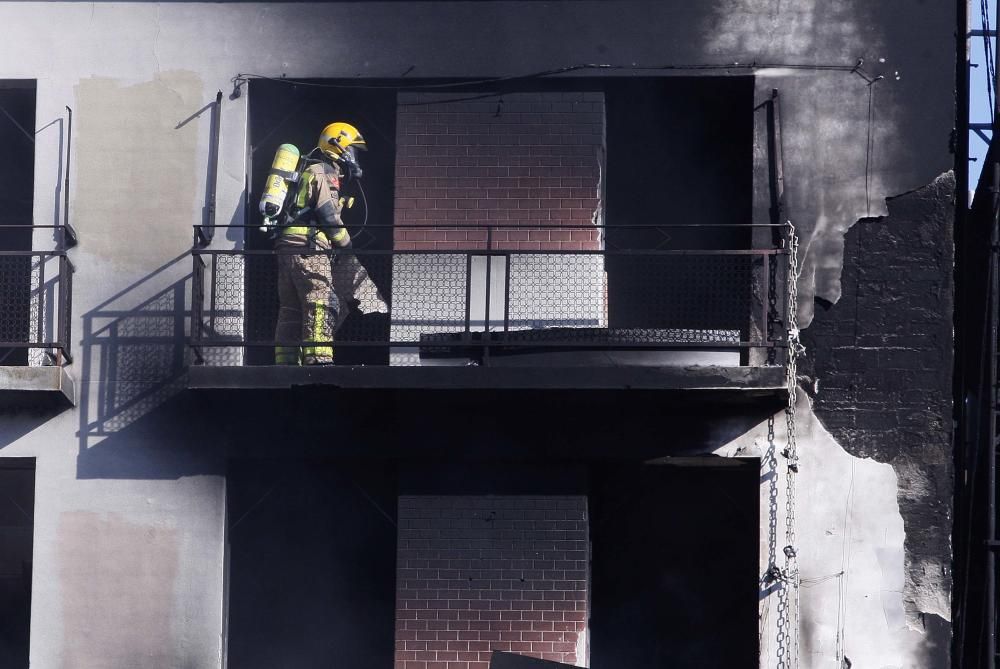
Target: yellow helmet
column 337, row 137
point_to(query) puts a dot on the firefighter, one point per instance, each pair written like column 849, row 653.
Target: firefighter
column 308, row 306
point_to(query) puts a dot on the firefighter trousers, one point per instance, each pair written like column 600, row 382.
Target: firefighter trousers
column 307, row 308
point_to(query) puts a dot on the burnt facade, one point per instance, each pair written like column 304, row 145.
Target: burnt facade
column 569, row 433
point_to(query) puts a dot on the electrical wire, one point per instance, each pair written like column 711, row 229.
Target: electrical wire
column 845, row 567
column 469, row 98
column 819, row 580
column 243, row 77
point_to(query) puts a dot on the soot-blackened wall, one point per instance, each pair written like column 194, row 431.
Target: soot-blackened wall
column 881, row 361
column 674, row 566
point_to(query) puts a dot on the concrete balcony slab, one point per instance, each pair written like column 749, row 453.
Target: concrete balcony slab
column 36, row 387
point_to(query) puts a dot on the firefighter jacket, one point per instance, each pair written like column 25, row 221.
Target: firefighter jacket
column 317, row 224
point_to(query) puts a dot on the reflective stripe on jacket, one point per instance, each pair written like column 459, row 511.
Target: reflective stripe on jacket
column 319, row 192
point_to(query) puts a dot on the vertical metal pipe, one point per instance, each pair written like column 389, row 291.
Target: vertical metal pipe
column 996, row 61
column 963, row 367
column 66, row 305
column 208, row 231
column 489, row 289
column 765, row 298
column 69, row 143
column 962, row 109
column 214, row 278
column 468, row 294
column 506, row 292
column 991, row 428
column 489, row 284
column 197, row 304
column 991, row 455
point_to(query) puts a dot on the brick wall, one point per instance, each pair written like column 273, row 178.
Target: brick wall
column 516, row 160
column 483, row 573
column 882, row 358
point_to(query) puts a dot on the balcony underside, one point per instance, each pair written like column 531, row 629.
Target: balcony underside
column 736, row 383
column 36, row 387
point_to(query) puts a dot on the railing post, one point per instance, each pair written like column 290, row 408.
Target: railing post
column 468, row 297
column 41, row 335
column 489, row 289
column 66, row 305
column 765, row 322
column 69, row 234
column 197, row 305
column 506, row 292
column 212, row 305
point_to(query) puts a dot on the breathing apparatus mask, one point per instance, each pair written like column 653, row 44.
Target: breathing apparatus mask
column 348, row 160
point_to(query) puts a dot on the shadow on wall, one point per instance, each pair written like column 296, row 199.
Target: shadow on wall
column 17, row 421
column 134, row 422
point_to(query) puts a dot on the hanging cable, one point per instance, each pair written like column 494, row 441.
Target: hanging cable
column 752, row 66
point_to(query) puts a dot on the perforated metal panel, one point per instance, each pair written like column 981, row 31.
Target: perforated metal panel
column 428, row 294
column 618, row 299
column 15, row 298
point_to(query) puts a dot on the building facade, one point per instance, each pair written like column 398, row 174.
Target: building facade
column 601, row 232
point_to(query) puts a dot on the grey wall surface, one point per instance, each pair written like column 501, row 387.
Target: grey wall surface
column 130, row 490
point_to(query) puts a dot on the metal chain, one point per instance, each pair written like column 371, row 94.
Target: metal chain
column 790, row 616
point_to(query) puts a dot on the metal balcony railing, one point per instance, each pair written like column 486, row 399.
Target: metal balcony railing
column 460, row 294
column 36, row 290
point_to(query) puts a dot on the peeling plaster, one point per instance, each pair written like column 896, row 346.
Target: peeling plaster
column 882, row 358
column 831, row 178
column 854, row 598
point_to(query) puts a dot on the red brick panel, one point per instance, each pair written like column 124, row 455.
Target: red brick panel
column 478, row 574
column 513, row 161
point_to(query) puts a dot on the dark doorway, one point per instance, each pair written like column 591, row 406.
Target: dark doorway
column 284, row 113
column 674, row 566
column 17, row 513
column 679, row 151
column 17, row 174
column 312, row 553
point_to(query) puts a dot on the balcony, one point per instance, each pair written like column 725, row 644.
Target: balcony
column 680, row 307
column 36, row 288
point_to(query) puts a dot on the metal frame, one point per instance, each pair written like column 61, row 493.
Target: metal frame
column 64, row 293
column 489, row 339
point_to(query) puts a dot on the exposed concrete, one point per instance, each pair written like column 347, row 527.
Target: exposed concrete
column 22, row 385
